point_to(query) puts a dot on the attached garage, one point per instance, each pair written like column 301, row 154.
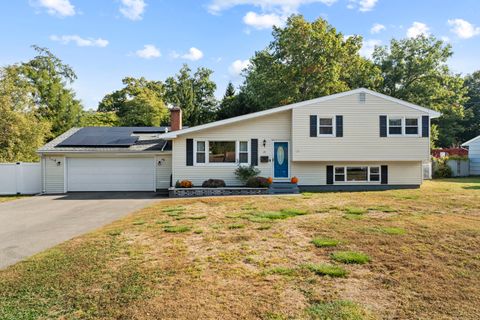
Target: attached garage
column 111, row 174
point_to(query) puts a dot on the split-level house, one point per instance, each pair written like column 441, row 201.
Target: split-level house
column 355, row 140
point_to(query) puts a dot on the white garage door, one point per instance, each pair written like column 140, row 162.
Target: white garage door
column 110, row 174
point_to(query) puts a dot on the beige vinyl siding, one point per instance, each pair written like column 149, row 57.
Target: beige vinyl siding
column 361, row 139
column 399, row 173
column 163, row 171
column 270, row 128
column 54, row 174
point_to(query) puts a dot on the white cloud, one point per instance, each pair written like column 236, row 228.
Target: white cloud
column 193, row 54
column 133, row 9
column 463, row 29
column 377, row 28
column 362, row 5
column 368, row 46
column 238, row 66
column 79, row 41
column 418, row 28
column 262, row 21
column 62, row 8
column 283, row 6
column 149, row 51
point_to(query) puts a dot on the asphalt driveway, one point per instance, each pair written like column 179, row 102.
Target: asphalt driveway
column 31, row 225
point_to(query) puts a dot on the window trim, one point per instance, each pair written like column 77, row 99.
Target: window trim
column 334, row 125
column 404, row 126
column 221, row 164
column 345, row 174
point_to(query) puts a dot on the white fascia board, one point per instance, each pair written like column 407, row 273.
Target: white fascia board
column 465, row 144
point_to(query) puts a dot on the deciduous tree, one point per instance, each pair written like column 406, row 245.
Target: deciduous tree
column 416, row 70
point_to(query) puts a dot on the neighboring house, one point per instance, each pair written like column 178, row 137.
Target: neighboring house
column 355, row 140
column 474, row 155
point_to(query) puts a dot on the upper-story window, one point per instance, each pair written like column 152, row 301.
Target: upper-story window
column 411, row 126
column 326, row 126
column 221, row 152
column 403, row 126
column 395, row 126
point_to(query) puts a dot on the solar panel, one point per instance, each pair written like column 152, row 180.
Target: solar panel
column 107, row 136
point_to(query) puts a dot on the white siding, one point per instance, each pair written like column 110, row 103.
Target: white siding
column 399, row 173
column 361, row 139
column 54, row 174
column 474, row 156
column 163, row 171
column 269, row 128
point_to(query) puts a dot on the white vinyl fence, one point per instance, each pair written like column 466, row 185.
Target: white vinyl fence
column 20, row 178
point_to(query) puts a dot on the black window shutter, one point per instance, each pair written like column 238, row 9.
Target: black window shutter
column 383, row 126
column 425, row 126
column 384, row 173
column 329, row 174
column 339, row 125
column 313, row 126
column 189, row 152
column 254, row 153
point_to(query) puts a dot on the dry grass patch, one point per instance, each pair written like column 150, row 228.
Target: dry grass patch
column 269, row 268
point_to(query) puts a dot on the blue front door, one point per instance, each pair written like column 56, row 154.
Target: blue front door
column 280, row 166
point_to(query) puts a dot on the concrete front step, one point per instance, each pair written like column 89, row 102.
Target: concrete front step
column 283, row 188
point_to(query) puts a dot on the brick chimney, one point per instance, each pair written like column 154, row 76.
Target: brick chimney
column 175, row 118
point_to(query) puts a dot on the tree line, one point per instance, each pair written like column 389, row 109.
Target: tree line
column 304, row 60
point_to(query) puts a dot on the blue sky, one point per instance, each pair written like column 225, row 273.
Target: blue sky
column 106, row 40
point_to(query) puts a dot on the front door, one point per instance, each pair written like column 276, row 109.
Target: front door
column 280, row 166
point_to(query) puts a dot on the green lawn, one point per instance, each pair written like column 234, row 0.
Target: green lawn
column 403, row 254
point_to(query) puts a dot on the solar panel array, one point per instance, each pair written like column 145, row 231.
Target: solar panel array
column 120, row 137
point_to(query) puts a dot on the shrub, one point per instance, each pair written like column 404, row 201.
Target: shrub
column 441, row 168
column 245, row 173
column 350, row 257
column 184, row 184
column 257, row 182
column 213, row 183
column 324, row 269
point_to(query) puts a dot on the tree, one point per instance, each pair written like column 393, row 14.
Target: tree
column 54, row 100
column 416, row 70
column 195, row 94
column 98, row 119
column 226, row 105
column 472, row 107
column 305, row 61
column 21, row 131
column 139, row 103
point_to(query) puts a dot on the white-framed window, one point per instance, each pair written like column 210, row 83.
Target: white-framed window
column 395, row 126
column 326, row 126
column 374, row 174
column 200, row 152
column 403, row 126
column 411, row 126
column 243, row 152
column 357, row 173
column 339, row 174
column 221, row 152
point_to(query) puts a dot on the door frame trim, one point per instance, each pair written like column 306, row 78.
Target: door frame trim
column 288, row 162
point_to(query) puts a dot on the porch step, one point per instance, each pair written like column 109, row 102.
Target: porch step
column 283, row 188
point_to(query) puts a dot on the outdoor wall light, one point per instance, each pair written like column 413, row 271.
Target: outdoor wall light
column 264, row 143
column 159, row 163
column 59, row 163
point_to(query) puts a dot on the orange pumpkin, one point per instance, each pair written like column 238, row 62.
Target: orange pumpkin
column 269, row 180
column 294, row 180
